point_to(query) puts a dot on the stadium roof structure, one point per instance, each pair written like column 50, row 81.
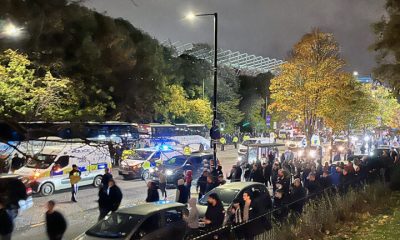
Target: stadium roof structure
column 242, row 62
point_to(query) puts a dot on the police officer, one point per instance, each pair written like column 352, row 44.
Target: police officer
column 74, row 178
column 223, row 142
column 235, row 141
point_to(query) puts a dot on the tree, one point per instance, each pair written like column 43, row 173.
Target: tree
column 174, row 104
column 308, row 79
column 388, row 48
column 230, row 114
column 199, row 112
column 25, row 95
column 387, row 105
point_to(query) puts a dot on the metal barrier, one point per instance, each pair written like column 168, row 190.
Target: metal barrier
column 240, row 231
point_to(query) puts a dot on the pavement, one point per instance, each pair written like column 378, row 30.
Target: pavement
column 80, row 216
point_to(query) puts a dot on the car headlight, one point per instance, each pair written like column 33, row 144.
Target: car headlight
column 151, row 170
column 300, row 153
column 312, row 154
column 340, row 148
column 168, row 172
column 366, row 138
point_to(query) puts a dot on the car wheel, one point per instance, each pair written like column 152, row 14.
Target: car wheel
column 47, row 189
column 97, row 181
column 145, row 175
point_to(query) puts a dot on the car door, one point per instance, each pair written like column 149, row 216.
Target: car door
column 149, row 229
column 174, row 225
column 59, row 173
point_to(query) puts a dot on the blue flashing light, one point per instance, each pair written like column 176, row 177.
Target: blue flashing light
column 164, row 148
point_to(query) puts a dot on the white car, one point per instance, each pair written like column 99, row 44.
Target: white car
column 298, row 141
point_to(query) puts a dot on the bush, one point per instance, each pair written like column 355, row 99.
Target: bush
column 323, row 217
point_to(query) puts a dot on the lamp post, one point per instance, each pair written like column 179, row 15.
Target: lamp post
column 191, row 16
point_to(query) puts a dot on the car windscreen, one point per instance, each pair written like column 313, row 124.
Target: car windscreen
column 140, row 155
column 116, row 225
column 175, row 161
column 226, row 196
column 41, row 161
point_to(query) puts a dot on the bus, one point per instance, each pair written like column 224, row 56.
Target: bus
column 194, row 135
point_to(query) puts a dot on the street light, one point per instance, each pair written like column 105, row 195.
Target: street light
column 355, row 73
column 11, row 30
column 192, row 16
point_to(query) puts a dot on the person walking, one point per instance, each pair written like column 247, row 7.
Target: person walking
column 74, row 178
column 192, row 219
column 181, row 192
column 107, row 176
column 152, row 192
column 55, row 222
column 103, row 202
column 114, row 196
column 6, row 222
column 257, row 175
column 297, row 197
column 202, row 184
column 163, row 183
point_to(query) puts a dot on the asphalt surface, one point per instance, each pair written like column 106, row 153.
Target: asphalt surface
column 80, row 216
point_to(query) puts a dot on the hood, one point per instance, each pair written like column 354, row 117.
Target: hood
column 192, row 202
column 132, row 162
column 27, row 172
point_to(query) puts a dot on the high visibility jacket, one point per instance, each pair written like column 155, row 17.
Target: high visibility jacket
column 245, row 138
column 187, row 151
column 222, row 141
column 235, row 139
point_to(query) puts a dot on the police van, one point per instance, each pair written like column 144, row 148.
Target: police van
column 48, row 170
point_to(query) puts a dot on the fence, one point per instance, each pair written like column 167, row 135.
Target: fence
column 268, row 221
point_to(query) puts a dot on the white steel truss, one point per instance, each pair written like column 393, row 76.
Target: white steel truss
column 243, row 62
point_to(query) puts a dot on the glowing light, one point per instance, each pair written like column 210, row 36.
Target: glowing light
column 340, row 148
column 11, row 30
column 366, row 138
column 312, row 154
column 168, row 172
column 190, row 16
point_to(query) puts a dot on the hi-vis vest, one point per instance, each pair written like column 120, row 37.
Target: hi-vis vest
column 187, row 151
column 222, row 140
column 235, row 139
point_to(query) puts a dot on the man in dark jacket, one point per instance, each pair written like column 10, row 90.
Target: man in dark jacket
column 55, row 222
column 298, row 196
column 6, row 222
column 114, row 196
column 256, row 175
column 267, row 170
column 313, row 187
column 202, row 184
column 215, row 213
column 152, row 192
column 106, row 178
column 281, row 210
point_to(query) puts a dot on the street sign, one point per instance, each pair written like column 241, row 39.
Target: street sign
column 268, row 120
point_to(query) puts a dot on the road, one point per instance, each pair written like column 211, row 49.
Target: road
column 83, row 214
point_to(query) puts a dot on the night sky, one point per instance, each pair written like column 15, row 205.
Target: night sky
column 263, row 27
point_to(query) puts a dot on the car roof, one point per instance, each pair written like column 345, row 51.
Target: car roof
column 6, row 175
column 267, row 145
column 239, row 185
column 149, row 208
column 197, row 154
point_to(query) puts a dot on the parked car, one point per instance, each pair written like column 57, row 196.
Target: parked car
column 16, row 192
column 231, row 191
column 151, row 221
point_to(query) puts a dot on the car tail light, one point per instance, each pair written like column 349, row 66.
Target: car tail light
column 29, row 191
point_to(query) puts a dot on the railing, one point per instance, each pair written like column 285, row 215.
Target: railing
column 267, row 220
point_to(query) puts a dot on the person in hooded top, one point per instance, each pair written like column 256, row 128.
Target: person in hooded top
column 188, row 181
column 192, row 218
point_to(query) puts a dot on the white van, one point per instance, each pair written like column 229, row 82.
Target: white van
column 49, row 169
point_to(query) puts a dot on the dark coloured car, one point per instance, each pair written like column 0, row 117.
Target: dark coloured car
column 175, row 167
column 232, row 191
column 151, row 221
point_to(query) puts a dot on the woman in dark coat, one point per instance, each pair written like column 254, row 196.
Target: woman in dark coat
column 152, row 192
